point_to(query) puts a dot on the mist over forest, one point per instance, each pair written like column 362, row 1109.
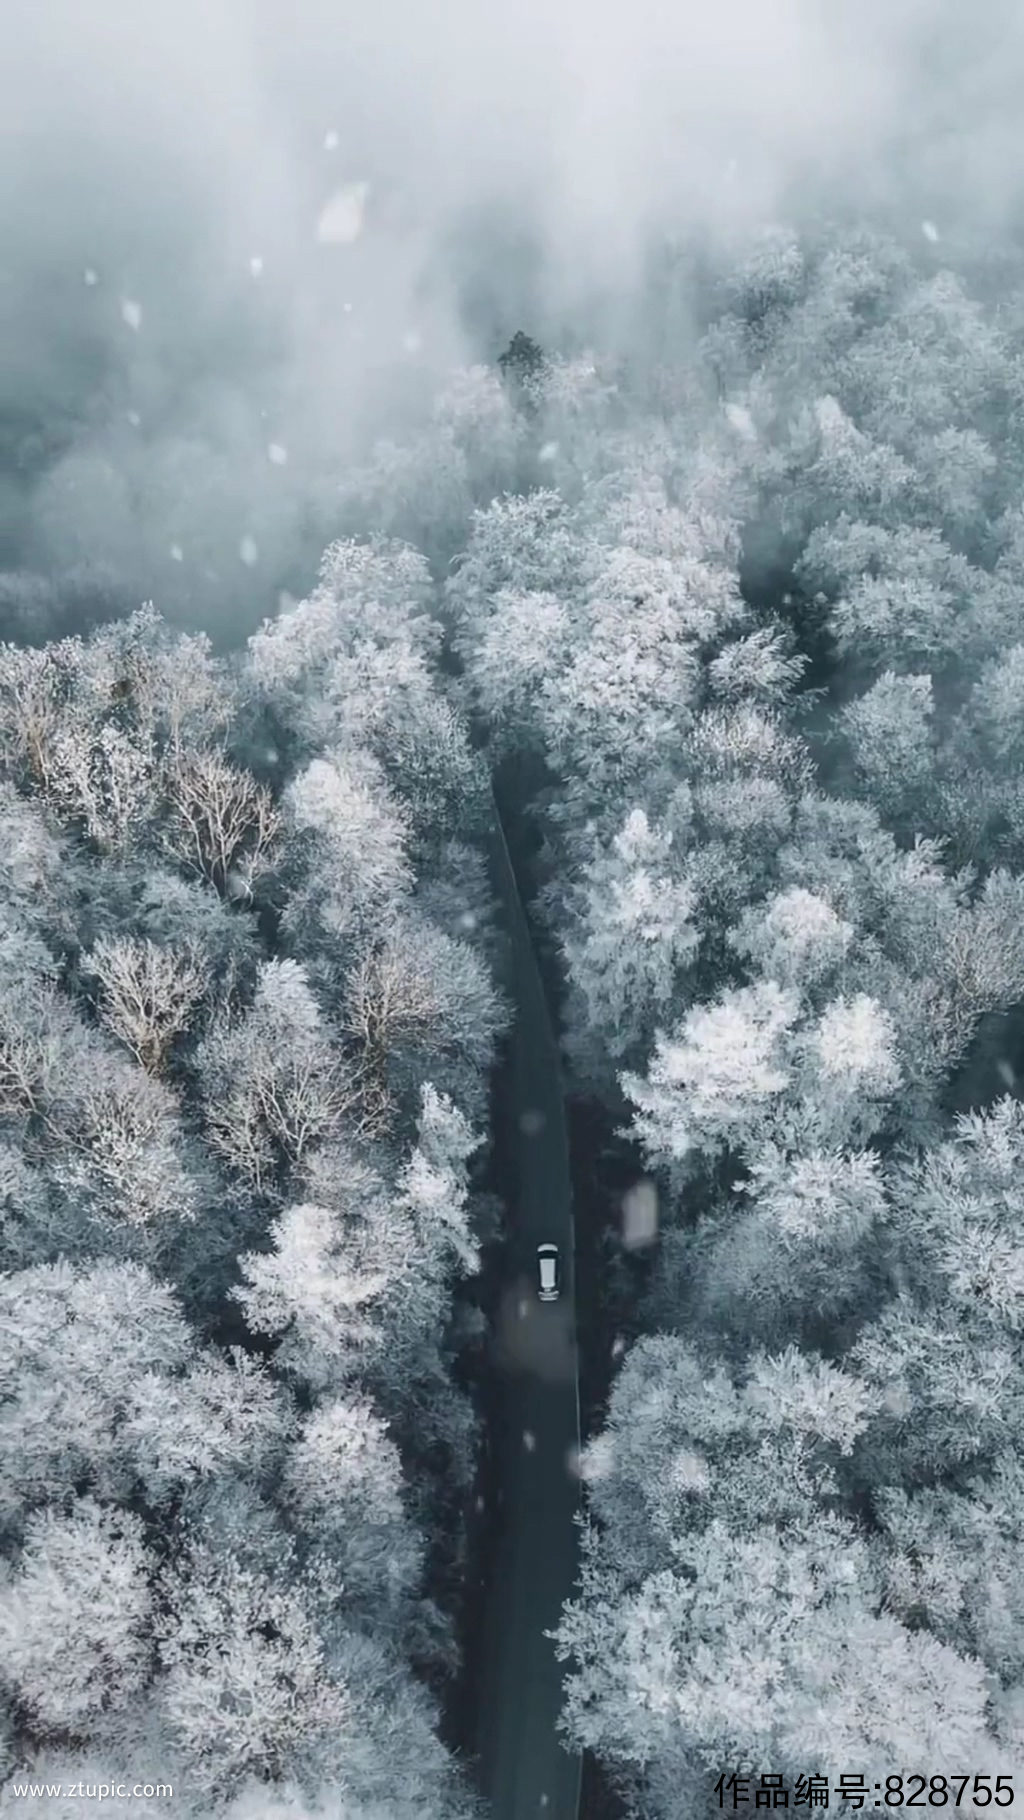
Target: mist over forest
column 510, row 516
column 518, row 167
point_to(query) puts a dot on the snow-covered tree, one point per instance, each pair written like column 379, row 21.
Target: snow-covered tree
column 31, row 1229
column 756, row 667
column 630, row 933
column 944, row 1351
column 147, row 994
column 795, row 938
column 120, row 1148
column 712, row 1082
column 418, row 1001
column 523, row 640
column 75, row 1612
column 765, row 1649
column 223, row 1415
column 891, row 740
column 434, row 1182
column 223, row 826
column 350, row 839
column 796, row 1252
column 951, row 1560
column 316, row 1289
column 273, row 1079
column 343, row 1484
column 102, row 1389
column 245, row 1689
column 528, row 543
column 99, row 726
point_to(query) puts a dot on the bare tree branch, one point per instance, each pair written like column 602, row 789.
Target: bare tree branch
column 223, row 825
column 147, row 993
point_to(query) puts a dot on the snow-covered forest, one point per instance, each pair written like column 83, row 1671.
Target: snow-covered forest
column 246, row 1024
column 695, row 522
column 759, row 614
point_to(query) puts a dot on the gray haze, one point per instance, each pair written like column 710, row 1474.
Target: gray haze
column 186, row 367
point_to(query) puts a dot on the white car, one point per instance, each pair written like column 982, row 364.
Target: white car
column 548, row 1273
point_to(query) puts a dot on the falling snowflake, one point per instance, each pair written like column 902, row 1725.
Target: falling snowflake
column 531, row 1122
column 330, row 140
column 741, row 421
column 522, row 1308
column 640, row 1215
column 341, row 218
column 467, row 920
column 597, row 1460
column 896, row 1399
column 89, row 276
column 256, row 265
column 131, row 313
column 134, row 419
column 177, row 553
column 688, row 1471
column 412, row 342
column 618, row 1346
column 248, row 550
column 347, row 307
column 856, row 1039
column 572, row 1463
column 278, row 454
column 529, row 1440
column 547, row 452
column 929, row 230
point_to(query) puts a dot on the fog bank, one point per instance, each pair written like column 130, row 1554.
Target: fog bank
column 238, row 239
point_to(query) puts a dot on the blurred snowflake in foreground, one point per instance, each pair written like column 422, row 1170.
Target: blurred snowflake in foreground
column 341, row 218
column 640, row 1215
column 741, row 421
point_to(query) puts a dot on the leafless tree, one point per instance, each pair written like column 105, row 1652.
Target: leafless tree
column 223, row 825
column 28, row 1063
column 33, row 685
column 147, row 993
column 387, row 998
column 116, row 1143
column 262, row 1099
column 108, row 782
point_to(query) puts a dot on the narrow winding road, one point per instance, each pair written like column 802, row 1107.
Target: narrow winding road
column 525, row 1769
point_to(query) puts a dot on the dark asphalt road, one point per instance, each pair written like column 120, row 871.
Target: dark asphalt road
column 525, row 1770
